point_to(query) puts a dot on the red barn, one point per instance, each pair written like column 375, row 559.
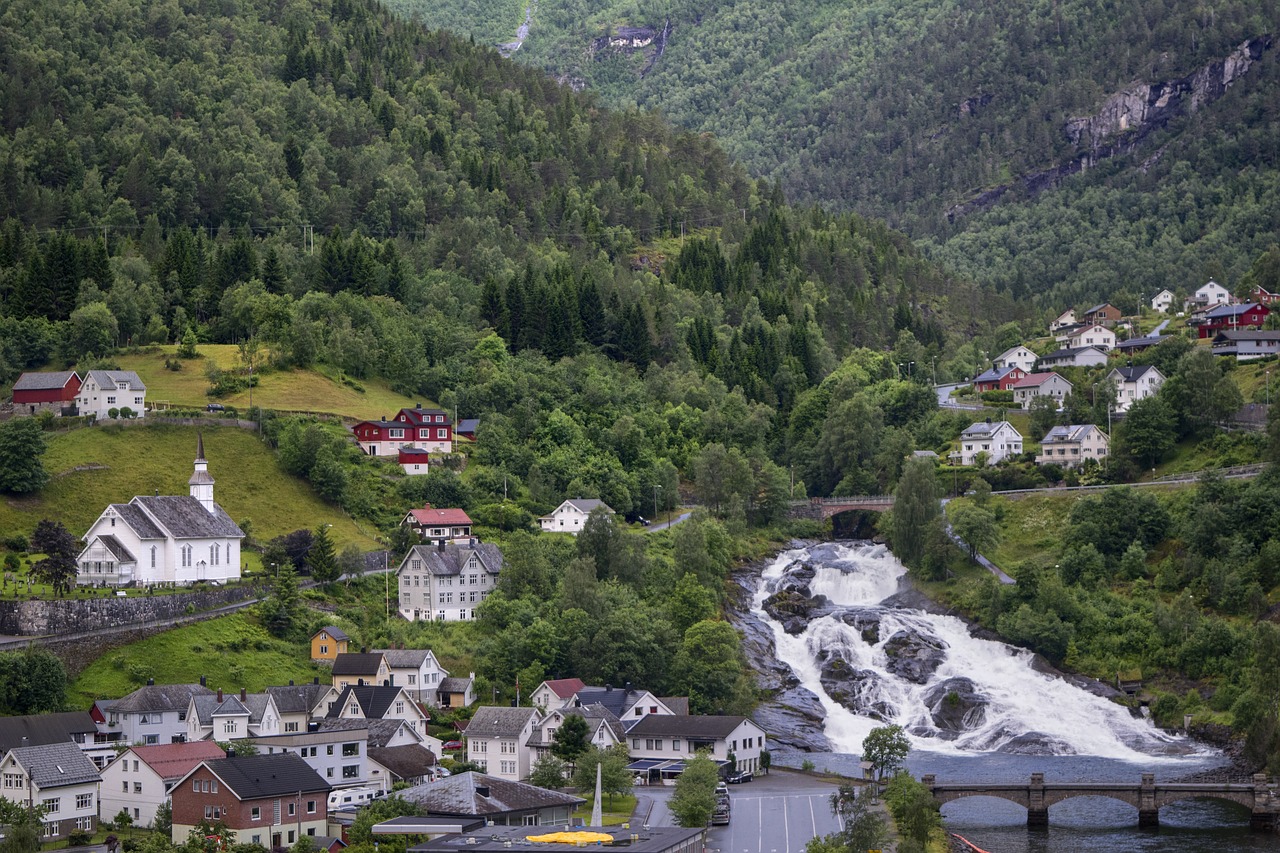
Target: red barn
column 34, row 392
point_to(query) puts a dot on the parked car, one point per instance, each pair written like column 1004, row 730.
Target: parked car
column 453, row 744
column 720, row 817
column 215, row 407
column 738, row 777
column 722, row 790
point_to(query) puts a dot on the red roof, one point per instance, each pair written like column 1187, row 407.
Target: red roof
column 566, row 687
column 1034, row 380
column 174, row 760
column 429, row 516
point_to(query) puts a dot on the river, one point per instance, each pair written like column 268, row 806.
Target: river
column 976, row 710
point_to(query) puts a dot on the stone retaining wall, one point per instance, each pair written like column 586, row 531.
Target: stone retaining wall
column 68, row 616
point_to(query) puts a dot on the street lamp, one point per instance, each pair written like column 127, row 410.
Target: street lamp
column 656, row 489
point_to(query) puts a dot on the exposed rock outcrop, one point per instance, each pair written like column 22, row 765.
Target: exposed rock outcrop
column 913, row 656
column 956, row 706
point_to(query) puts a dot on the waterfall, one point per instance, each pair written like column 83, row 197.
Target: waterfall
column 951, row 691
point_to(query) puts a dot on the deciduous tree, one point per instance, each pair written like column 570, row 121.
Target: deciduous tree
column 21, row 456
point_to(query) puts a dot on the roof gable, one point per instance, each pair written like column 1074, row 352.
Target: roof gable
column 471, row 793
column 184, row 517
column 489, row 722
column 358, row 663
column 44, row 381
column 54, row 765
column 254, row 777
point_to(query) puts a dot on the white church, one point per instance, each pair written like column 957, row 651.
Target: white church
column 171, row 540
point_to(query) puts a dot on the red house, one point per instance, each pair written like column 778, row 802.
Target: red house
column 998, row 379
column 271, row 800
column 1263, row 296
column 34, row 392
column 1246, row 315
column 426, row 429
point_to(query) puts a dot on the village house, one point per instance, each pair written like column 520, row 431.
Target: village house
column 995, row 441
column 1071, row 445
column 360, row 668
column 104, row 390
column 456, row 692
column 269, row 800
column 998, row 379
column 1074, row 357
column 171, row 540
column 139, row 780
column 387, row 702
column 328, row 643
column 498, row 741
column 411, row 764
column 1020, row 357
column 1209, row 294
column 232, row 717
column 554, row 693
column 379, row 733
column 1095, row 335
column 1040, row 385
column 679, row 738
column 415, row 670
column 495, row 800
column 1105, row 314
column 1139, row 344
column 298, row 705
column 425, row 429
column 1135, row 383
column 76, row 727
column 1259, row 294
column 446, row 582
column 604, row 729
column 1246, row 344
column 571, row 515
column 1065, row 319
column 58, row 776
column 152, row 714
column 1247, row 315
column 1162, row 301
column 341, row 758
column 467, row 428
column 449, row 525
column 414, row 461
column 39, row 392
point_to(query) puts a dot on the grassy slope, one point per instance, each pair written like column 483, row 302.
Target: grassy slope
column 140, row 460
column 292, row 390
column 232, row 652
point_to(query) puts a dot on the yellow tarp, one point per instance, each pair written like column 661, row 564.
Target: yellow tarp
column 567, row 837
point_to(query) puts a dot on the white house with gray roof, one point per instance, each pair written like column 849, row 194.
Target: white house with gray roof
column 104, row 390
column 416, row 670
column 996, row 440
column 58, row 776
column 1134, row 384
column 172, row 540
column 679, row 738
column 604, row 729
column 498, row 741
column 1069, row 446
column 447, row 581
column 151, row 715
column 571, row 515
column 232, row 717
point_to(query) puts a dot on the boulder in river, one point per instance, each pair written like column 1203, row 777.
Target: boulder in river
column 795, row 611
column 914, row 656
column 956, row 706
column 855, row 689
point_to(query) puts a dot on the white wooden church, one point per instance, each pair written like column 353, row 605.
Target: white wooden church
column 167, row 539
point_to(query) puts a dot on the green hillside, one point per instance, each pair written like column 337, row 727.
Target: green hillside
column 907, row 110
column 91, row 468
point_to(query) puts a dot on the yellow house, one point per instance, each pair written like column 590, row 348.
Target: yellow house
column 328, row 643
column 361, row 669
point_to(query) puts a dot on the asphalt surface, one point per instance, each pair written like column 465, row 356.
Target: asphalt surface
column 777, row 813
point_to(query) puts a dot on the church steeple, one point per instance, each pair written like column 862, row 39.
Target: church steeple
column 201, row 481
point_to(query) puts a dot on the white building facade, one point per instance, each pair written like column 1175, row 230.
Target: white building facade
column 447, row 581
column 997, row 440
column 104, row 390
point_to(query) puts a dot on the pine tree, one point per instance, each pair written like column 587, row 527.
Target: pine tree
column 320, row 559
column 595, row 327
column 491, row 306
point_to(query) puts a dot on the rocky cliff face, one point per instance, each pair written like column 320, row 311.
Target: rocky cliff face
column 1126, row 119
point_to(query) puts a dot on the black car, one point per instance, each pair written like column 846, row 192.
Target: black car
column 738, row 776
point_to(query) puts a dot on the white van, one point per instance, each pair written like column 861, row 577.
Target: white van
column 351, row 798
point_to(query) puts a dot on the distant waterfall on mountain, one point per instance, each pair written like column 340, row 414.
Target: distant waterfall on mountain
column 870, row 661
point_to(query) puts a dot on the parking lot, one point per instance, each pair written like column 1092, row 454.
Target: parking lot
column 777, row 813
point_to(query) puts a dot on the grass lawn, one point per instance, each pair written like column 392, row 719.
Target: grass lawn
column 93, row 467
column 1031, row 527
column 616, row 809
column 288, row 390
column 231, row 651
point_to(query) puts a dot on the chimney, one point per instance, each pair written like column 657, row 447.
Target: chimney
column 628, row 686
column 315, row 680
column 243, row 696
column 151, row 682
column 441, row 547
column 202, row 684
column 219, row 694
column 418, row 406
column 608, row 688
column 290, row 682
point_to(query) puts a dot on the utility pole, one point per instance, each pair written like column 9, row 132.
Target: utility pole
column 656, row 489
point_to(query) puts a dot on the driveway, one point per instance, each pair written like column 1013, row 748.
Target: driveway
column 654, row 528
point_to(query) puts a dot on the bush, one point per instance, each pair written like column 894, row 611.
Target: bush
column 16, row 542
column 113, row 413
column 79, row 838
column 997, row 397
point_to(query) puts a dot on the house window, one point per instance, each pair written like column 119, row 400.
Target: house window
column 124, row 787
column 291, row 727
column 111, row 401
column 137, row 789
column 349, row 749
column 328, row 750
column 213, row 812
column 395, row 433
column 195, row 785
column 311, row 806
column 675, row 745
column 51, row 805
column 350, row 771
column 153, row 556
column 508, row 767
column 86, row 822
column 293, row 809
column 255, row 813
column 442, row 433
column 186, row 555
column 328, row 772
column 137, row 401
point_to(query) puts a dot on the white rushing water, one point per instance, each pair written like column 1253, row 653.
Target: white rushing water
column 1020, row 703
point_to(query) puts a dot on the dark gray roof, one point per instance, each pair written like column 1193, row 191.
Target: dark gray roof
column 108, row 378
column 404, row 658
column 1071, row 432
column 405, row 762
column 984, row 428
column 186, row 518
column 357, row 663
column 597, row 715
column 451, row 559
column 159, row 697
column 995, row 374
column 685, row 726
column 618, row 700
column 453, row 685
column 335, row 632
column 680, row 704
column 380, row 731
column 374, row 700
column 116, row 547
column 296, row 699
column 587, row 504
column 490, row 721
column 139, row 522
column 1131, row 374
column 1141, row 343
column 207, row 707
column 53, row 765
column 468, row 425
column 253, row 777
column 39, row 729
column 43, row 381
column 1249, row 335
column 458, row 795
column 1231, row 310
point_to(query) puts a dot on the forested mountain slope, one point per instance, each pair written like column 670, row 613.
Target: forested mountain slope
column 907, row 111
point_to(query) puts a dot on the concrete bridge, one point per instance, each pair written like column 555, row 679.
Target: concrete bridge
column 821, row 508
column 1147, row 797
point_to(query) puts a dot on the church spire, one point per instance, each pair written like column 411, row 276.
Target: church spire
column 201, row 481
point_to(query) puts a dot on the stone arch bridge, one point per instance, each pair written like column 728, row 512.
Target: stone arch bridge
column 1147, row 797
column 823, row 508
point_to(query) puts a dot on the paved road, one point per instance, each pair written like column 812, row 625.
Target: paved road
column 663, row 525
column 1157, row 330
